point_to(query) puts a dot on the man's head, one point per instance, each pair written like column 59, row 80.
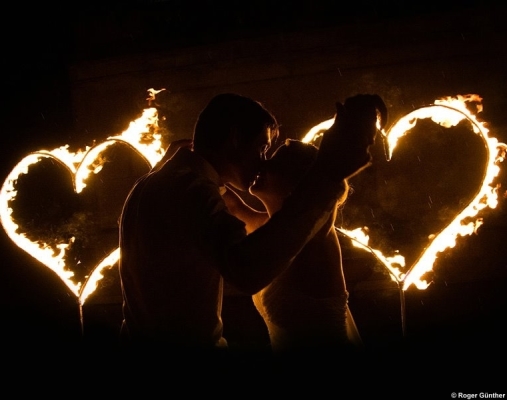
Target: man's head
column 233, row 132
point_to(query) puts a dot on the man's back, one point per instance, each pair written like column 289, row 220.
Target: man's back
column 173, row 226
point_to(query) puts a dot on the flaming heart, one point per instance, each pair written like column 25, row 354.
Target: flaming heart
column 448, row 112
column 142, row 136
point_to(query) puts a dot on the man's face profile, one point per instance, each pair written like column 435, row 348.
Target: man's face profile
column 247, row 159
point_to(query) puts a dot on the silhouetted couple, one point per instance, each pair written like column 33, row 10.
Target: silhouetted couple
column 184, row 230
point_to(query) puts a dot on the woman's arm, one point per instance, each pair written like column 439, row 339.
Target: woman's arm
column 252, row 218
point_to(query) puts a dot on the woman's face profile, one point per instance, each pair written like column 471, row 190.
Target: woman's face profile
column 281, row 173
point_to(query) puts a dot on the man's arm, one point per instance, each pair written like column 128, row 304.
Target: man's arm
column 254, row 261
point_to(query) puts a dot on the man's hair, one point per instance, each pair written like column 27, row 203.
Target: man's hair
column 227, row 112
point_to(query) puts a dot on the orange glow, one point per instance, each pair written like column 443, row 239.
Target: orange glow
column 141, row 135
column 446, row 112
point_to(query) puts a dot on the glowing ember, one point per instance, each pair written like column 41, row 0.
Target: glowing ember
column 141, row 135
column 446, row 112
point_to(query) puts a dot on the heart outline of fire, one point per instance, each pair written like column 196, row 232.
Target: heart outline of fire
column 141, row 135
column 446, row 112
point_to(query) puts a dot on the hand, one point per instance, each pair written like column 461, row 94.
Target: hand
column 344, row 149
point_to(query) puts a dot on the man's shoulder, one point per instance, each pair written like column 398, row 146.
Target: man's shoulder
column 187, row 168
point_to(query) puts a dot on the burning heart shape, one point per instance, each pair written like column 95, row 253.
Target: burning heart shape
column 57, row 253
column 465, row 218
column 142, row 137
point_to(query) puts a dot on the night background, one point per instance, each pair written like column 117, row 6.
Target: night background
column 78, row 73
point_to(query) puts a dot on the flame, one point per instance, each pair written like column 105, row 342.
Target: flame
column 360, row 239
column 141, row 135
column 93, row 280
column 152, row 93
column 317, row 131
column 447, row 112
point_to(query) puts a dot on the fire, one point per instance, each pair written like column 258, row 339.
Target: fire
column 141, row 135
column 446, row 112
column 317, row 131
column 393, row 263
column 96, row 276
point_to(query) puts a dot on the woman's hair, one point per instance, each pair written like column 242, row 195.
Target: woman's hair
column 297, row 157
column 226, row 112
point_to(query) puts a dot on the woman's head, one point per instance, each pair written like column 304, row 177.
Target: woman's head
column 283, row 171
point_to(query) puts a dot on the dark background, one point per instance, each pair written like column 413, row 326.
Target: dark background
column 78, row 73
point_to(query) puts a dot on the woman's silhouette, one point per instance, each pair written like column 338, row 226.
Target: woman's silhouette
column 304, row 308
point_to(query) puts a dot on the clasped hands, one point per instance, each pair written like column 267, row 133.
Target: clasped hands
column 344, row 149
